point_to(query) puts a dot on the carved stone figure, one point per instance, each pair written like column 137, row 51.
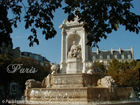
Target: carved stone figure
column 89, row 67
column 28, row 83
column 46, row 83
column 54, row 68
column 108, row 82
column 75, row 51
column 31, row 83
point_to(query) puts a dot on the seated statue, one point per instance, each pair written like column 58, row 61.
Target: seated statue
column 75, row 51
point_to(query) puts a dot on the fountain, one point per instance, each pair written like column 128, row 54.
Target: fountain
column 77, row 83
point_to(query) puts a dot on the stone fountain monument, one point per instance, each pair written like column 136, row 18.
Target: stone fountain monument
column 74, row 51
column 77, row 82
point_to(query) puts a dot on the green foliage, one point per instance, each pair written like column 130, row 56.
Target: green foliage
column 137, row 66
column 100, row 66
column 129, row 78
column 114, row 67
column 101, row 17
column 5, row 26
column 104, row 16
column 133, row 64
column 125, row 74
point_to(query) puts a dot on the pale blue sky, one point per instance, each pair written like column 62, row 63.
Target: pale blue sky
column 51, row 48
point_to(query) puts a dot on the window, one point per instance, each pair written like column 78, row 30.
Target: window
column 115, row 56
column 122, row 56
column 14, row 87
column 25, row 53
column 108, row 56
column 2, row 51
column 94, row 58
column 40, row 58
column 36, row 57
column 3, row 44
column 32, row 55
column 129, row 56
column 101, row 57
column 28, row 54
column 10, row 46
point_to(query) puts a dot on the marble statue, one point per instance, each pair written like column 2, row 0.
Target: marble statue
column 75, row 51
column 89, row 67
column 92, row 69
column 107, row 82
column 54, row 68
column 28, row 83
column 46, row 83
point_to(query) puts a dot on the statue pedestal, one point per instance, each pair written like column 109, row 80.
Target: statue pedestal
column 74, row 65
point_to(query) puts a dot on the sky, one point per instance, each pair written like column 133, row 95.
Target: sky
column 51, row 49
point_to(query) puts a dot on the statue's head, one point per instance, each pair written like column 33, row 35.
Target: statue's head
column 74, row 43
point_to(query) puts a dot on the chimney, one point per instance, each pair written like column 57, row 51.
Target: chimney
column 111, row 50
column 98, row 50
column 132, row 51
column 120, row 50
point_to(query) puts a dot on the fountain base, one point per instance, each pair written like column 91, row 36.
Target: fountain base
column 77, row 88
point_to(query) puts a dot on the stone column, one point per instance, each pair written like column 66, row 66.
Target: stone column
column 84, row 52
column 63, row 52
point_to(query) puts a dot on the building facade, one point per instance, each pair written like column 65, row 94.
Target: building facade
column 16, row 53
column 105, row 57
column 40, row 59
column 8, row 49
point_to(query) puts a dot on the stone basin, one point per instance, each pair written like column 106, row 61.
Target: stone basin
column 77, row 88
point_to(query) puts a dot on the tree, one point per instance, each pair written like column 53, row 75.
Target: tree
column 5, row 77
column 125, row 74
column 137, row 65
column 133, row 64
column 101, row 17
column 114, row 67
column 5, row 26
column 99, row 66
column 124, row 65
column 20, row 76
column 129, row 78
